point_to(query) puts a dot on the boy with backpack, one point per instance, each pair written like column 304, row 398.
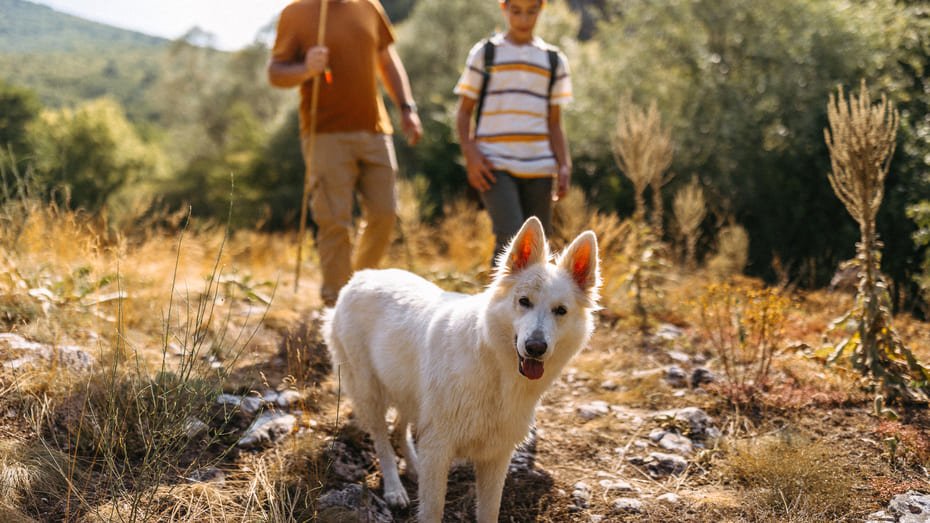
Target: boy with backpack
column 515, row 85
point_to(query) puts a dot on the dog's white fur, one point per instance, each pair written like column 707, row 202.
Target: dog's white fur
column 449, row 362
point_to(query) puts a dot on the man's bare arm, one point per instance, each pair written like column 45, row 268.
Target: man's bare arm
column 292, row 74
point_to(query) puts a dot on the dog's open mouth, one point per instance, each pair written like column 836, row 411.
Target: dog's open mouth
column 530, row 367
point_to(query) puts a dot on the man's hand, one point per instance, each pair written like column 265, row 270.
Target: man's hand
column 316, row 60
column 413, row 129
column 564, row 177
column 479, row 168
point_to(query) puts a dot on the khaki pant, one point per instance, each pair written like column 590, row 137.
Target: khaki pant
column 343, row 164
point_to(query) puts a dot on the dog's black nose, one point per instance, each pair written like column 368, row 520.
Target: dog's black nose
column 535, row 348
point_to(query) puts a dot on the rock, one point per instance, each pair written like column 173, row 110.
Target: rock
column 267, row 429
column 628, row 505
column 288, row 398
column 676, row 443
column 596, row 518
column 593, row 410
column 676, row 377
column 910, row 507
column 882, row 516
column 248, row 405
column 609, row 385
column 194, row 428
column 669, row 332
column 678, row 356
column 670, row 498
column 700, row 376
column 616, row 485
column 353, row 503
column 657, row 434
column 524, row 457
column 208, row 474
column 660, row 465
column 19, row 353
column 346, row 463
column 700, row 424
column 581, row 495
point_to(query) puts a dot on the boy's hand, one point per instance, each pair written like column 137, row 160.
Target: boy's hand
column 564, row 177
column 316, row 60
column 479, row 168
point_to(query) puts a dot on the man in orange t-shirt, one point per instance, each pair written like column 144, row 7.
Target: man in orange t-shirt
column 353, row 149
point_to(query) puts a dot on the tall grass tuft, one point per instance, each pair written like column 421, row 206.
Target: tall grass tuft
column 861, row 141
column 791, row 478
column 732, row 252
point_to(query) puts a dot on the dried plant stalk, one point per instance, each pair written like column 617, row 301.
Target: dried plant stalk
column 861, row 141
column 642, row 148
column 690, row 208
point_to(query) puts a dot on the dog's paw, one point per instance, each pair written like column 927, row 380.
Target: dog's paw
column 397, row 498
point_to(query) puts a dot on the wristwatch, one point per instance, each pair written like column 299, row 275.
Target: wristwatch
column 409, row 106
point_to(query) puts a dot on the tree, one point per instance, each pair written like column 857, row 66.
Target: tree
column 18, row 107
column 741, row 84
column 83, row 156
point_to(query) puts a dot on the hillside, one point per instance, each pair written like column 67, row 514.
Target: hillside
column 26, row 27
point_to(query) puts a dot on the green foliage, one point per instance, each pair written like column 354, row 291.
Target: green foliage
column 743, row 84
column 18, row 107
column 434, row 43
column 84, row 156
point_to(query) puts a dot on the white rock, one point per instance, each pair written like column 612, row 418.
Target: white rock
column 670, row 497
column 267, row 429
column 627, row 505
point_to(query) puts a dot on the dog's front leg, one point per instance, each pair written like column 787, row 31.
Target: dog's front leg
column 490, row 476
column 434, row 459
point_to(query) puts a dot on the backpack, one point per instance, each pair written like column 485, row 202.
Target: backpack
column 489, row 49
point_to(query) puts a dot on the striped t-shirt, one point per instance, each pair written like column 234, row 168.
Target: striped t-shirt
column 513, row 132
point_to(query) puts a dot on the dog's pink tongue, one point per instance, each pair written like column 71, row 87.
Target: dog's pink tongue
column 532, row 369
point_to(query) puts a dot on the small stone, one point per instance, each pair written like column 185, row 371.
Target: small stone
column 609, row 385
column 616, row 485
column 670, row 497
column 596, row 518
column 700, row 376
column 659, row 464
column 194, row 428
column 593, row 410
column 676, row 377
column 288, row 398
column 676, row 443
column 657, row 434
column 627, row 505
column 267, row 429
column 678, row 356
column 353, row 503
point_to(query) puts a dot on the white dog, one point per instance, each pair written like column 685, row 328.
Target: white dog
column 466, row 371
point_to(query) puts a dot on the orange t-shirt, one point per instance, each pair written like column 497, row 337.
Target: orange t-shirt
column 356, row 32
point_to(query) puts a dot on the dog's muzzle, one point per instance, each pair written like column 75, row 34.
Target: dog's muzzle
column 529, row 366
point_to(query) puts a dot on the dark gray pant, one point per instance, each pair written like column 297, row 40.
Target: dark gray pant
column 510, row 201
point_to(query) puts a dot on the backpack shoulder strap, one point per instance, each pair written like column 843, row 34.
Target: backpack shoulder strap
column 489, row 49
column 553, row 70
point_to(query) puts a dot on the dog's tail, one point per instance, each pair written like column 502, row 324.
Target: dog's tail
column 331, row 337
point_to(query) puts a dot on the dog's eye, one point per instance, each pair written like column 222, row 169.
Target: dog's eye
column 525, row 302
column 560, row 311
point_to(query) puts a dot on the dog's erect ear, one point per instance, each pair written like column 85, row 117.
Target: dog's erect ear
column 526, row 248
column 580, row 260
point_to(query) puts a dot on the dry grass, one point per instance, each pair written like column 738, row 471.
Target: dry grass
column 790, row 478
column 108, row 446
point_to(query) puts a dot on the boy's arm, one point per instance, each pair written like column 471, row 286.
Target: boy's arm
column 398, row 87
column 477, row 166
column 559, row 144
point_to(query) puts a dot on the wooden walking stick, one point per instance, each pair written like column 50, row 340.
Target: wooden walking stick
column 314, row 96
